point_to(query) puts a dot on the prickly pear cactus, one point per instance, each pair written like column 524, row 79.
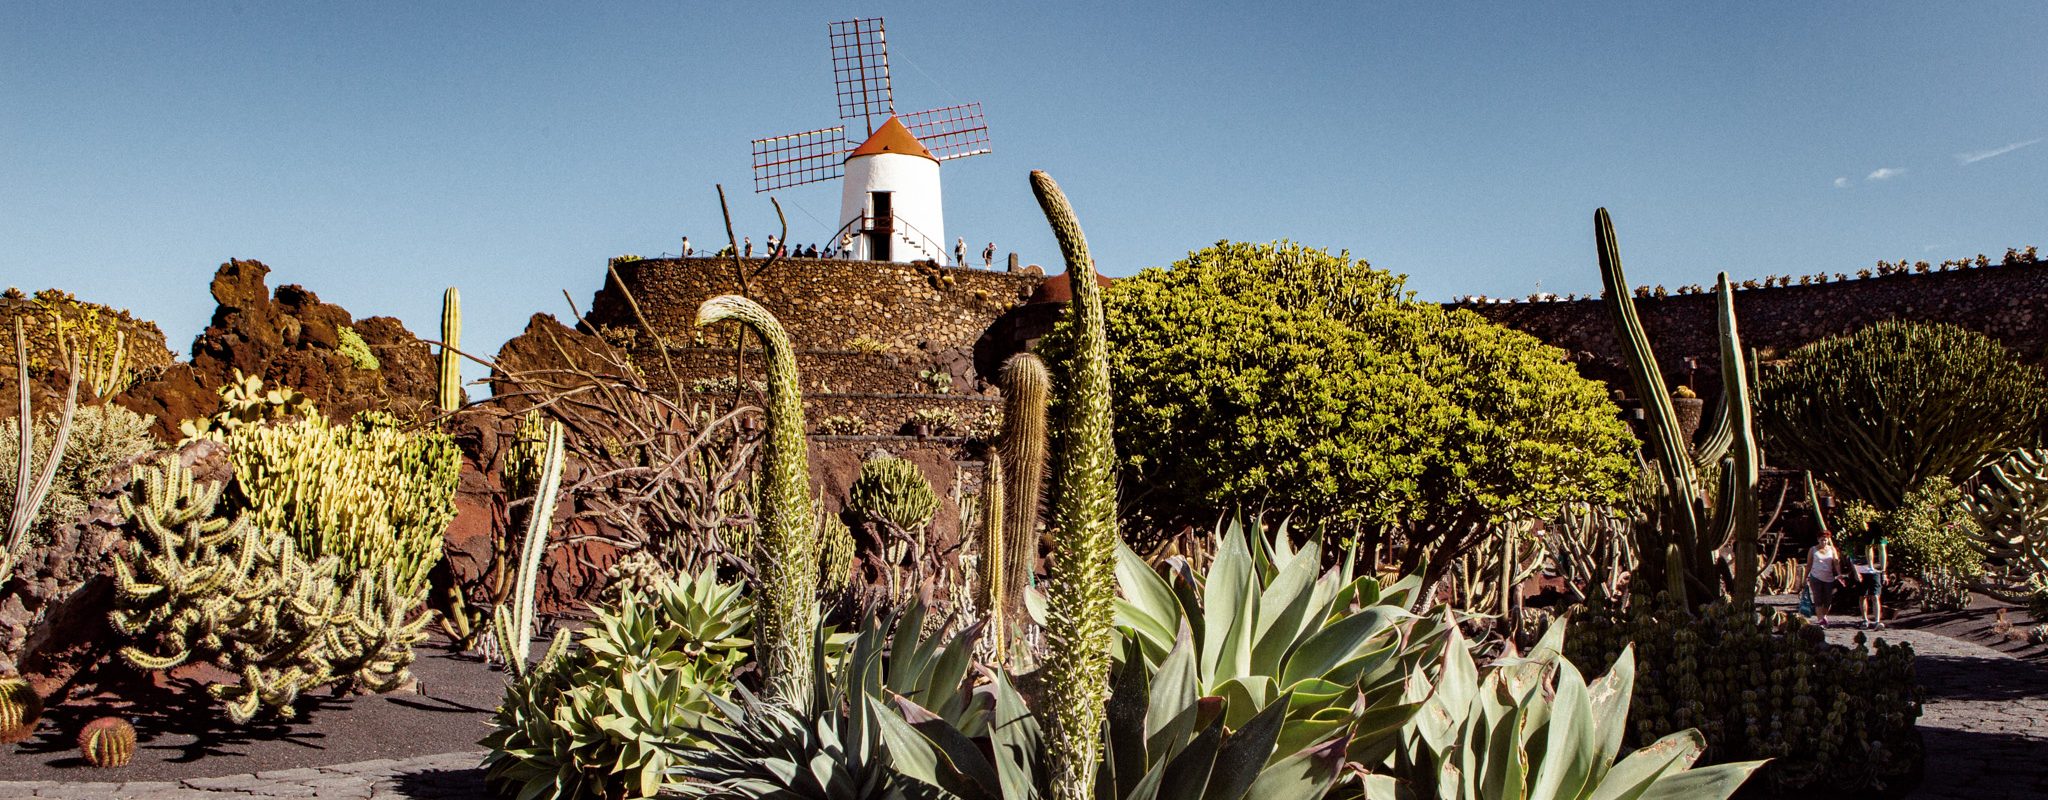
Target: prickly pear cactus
column 107, row 742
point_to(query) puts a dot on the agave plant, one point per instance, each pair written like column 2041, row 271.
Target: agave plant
column 603, row 719
column 1269, row 622
column 1534, row 728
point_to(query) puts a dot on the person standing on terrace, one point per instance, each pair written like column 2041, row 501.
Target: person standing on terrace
column 1823, row 574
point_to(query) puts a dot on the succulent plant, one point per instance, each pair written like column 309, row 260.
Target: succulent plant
column 786, row 563
column 30, row 493
column 107, row 742
column 893, row 491
column 991, row 597
column 1080, row 595
column 451, row 340
column 20, row 709
column 513, row 622
column 1027, row 388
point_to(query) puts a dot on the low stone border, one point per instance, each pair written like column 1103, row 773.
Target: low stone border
column 448, row 776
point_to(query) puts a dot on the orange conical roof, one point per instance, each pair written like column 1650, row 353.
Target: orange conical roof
column 892, row 137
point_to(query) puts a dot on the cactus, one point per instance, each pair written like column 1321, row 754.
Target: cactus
column 893, row 492
column 451, row 338
column 1081, row 581
column 2010, row 500
column 835, row 553
column 107, row 742
column 1026, row 387
column 991, row 595
column 786, row 561
column 28, row 497
column 368, row 493
column 1683, row 526
column 513, row 620
column 20, row 709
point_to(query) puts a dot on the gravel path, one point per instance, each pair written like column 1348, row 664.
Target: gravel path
column 450, row 776
column 1986, row 718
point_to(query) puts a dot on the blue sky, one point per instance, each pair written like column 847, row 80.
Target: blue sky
column 378, row 152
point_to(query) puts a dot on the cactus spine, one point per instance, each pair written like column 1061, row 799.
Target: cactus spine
column 1081, row 582
column 107, row 742
column 20, row 709
column 786, row 552
column 513, row 621
column 451, row 338
column 992, row 596
column 1027, row 385
column 1685, row 528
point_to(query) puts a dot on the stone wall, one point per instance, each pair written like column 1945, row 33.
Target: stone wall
column 2001, row 301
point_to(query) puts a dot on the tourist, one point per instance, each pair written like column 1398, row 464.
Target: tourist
column 747, row 246
column 1823, row 574
column 811, row 250
column 988, row 255
column 1870, row 569
column 686, row 247
column 960, row 252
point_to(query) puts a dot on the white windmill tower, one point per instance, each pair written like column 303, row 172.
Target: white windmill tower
column 889, row 208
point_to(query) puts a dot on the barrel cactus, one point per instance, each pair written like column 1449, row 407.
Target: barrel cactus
column 20, row 709
column 107, row 742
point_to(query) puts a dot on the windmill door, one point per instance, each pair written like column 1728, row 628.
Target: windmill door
column 883, row 231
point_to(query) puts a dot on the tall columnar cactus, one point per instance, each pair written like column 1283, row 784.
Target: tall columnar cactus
column 2010, row 499
column 513, row 622
column 107, row 742
column 20, row 709
column 1678, row 545
column 786, row 552
column 29, row 496
column 1027, row 386
column 451, row 338
column 1081, row 579
column 991, row 594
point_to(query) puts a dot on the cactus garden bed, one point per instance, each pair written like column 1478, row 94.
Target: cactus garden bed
column 178, row 736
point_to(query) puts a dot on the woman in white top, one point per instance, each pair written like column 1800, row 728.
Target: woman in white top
column 1823, row 574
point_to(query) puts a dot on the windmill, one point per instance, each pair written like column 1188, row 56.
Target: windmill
column 889, row 207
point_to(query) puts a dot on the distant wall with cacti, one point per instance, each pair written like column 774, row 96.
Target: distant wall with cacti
column 1999, row 300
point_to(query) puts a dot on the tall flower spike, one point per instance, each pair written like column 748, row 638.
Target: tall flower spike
column 786, row 552
column 1081, row 580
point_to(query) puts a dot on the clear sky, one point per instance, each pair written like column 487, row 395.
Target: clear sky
column 378, row 152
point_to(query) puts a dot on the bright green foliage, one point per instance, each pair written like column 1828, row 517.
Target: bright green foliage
column 1080, row 592
column 20, row 709
column 1932, row 534
column 107, row 742
column 786, row 551
column 605, row 719
column 1533, row 727
column 369, row 492
column 451, row 339
column 1888, row 408
column 1761, row 684
column 1269, row 621
column 352, row 347
column 1683, row 533
column 1027, row 389
column 894, row 492
column 194, row 586
column 1278, row 374
column 102, row 437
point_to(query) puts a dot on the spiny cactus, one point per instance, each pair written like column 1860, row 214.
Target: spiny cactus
column 20, row 709
column 894, row 492
column 451, row 338
column 1081, row 581
column 2010, row 499
column 991, row 599
column 28, row 497
column 835, row 553
column 368, row 492
column 107, row 742
column 786, row 560
column 513, row 621
column 1027, row 386
column 1679, row 543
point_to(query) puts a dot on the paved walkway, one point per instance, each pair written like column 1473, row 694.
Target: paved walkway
column 1986, row 718
column 450, row 776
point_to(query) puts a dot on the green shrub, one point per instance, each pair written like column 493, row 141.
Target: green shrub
column 1762, row 684
column 604, row 718
column 102, row 437
column 1932, row 535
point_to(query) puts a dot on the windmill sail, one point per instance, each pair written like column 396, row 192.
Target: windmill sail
column 950, row 132
column 799, row 158
column 860, row 70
